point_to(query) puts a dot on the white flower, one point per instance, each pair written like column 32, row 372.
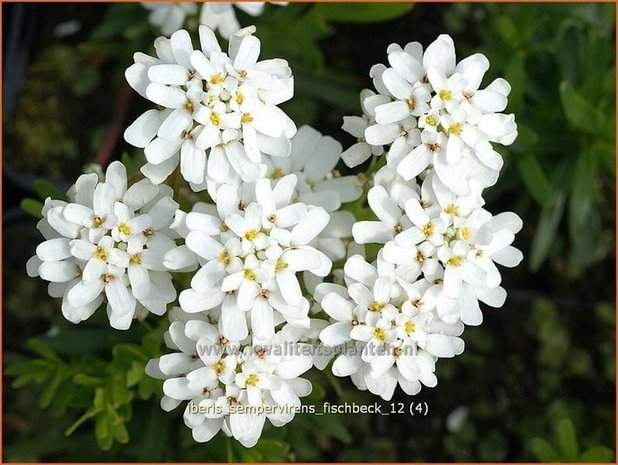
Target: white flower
column 221, row 111
column 108, row 244
column 232, row 387
column 221, row 16
column 250, row 258
column 391, row 340
column 169, row 16
column 356, row 126
column 457, row 121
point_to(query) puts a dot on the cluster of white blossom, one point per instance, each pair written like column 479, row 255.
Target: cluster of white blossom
column 107, row 245
column 219, row 16
column 246, row 328
column 219, row 111
column 232, row 385
column 440, row 247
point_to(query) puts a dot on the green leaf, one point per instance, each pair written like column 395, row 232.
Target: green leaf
column 32, row 207
column 361, row 12
column 567, row 440
column 43, row 350
column 547, row 226
column 91, row 412
column 273, row 450
column 543, row 451
column 50, row 390
column 597, row 454
column 580, row 112
column 534, row 178
column 582, row 193
column 45, row 189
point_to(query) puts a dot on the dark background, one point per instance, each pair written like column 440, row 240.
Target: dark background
column 537, row 379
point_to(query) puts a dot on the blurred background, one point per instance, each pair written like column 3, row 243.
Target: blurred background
column 537, row 380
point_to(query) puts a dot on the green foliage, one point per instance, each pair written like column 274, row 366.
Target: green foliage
column 560, row 63
column 567, row 447
column 103, row 390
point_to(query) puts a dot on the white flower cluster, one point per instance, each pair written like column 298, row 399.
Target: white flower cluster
column 107, row 245
column 220, row 111
column 246, row 330
column 219, row 16
column 440, row 247
column 231, row 385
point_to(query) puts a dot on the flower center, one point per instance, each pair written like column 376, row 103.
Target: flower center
column 376, row 306
column 239, row 98
column 379, row 334
column 452, row 209
column 277, row 173
column 252, row 380
column 219, row 367
column 281, row 265
column 225, row 258
column 246, row 118
column 465, row 233
column 107, row 278
column 420, row 258
column 100, row 253
column 272, row 218
column 455, row 260
column 428, row 229
column 214, row 119
column 251, row 234
column 189, row 106
column 455, row 128
column 411, row 103
column 216, row 79
column 249, row 274
column 431, row 120
column 124, row 229
column 409, row 327
column 97, row 220
column 136, row 259
column 445, row 95
column 242, row 73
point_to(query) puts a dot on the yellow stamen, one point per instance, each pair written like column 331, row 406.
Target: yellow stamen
column 409, row 327
column 252, row 379
column 216, row 79
column 219, row 367
column 445, row 95
column 136, row 259
column 242, row 73
column 124, row 229
column 431, row 121
column 249, row 274
column 225, row 258
column 465, row 233
column 239, row 98
column 214, row 119
column 251, row 234
column 277, row 173
column 455, row 260
column 379, row 334
column 455, row 128
column 281, row 265
column 376, row 306
column 411, row 103
column 189, row 106
column 246, row 118
column 452, row 209
column 100, row 253
column 428, row 229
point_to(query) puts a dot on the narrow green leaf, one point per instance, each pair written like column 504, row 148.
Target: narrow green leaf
column 534, row 178
column 32, row 207
column 546, row 230
column 581, row 113
column 567, row 440
column 45, row 189
column 582, row 192
column 43, row 350
column 543, row 451
column 597, row 454
column 91, row 412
